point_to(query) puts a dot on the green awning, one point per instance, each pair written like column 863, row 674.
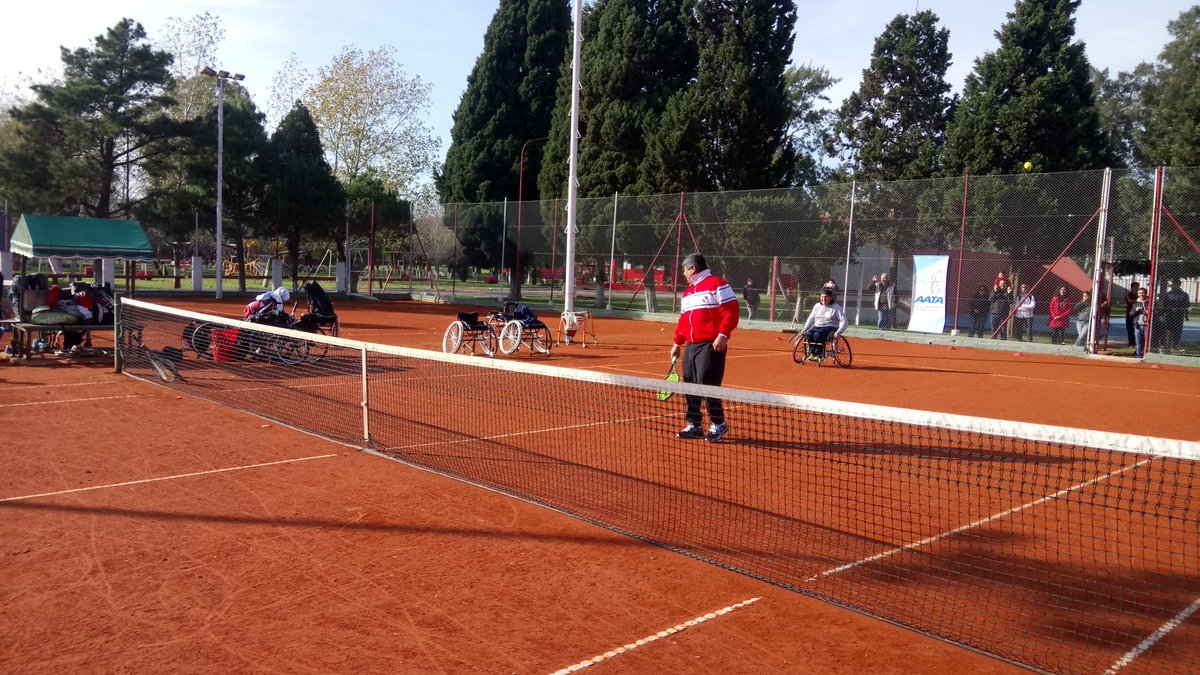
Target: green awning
column 71, row 237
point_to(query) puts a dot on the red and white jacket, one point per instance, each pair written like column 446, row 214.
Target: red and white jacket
column 709, row 308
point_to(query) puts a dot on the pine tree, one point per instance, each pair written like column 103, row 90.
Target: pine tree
column 1172, row 97
column 728, row 129
column 894, row 126
column 304, row 199
column 84, row 135
column 1030, row 100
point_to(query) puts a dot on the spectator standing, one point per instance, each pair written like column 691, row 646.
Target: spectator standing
column 1002, row 301
column 1061, row 307
column 1083, row 318
column 1131, row 297
column 1139, row 311
column 980, row 303
column 1175, row 306
column 750, row 294
column 709, row 313
column 885, row 300
column 1023, row 317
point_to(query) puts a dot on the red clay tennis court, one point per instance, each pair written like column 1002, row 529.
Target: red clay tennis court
column 212, row 539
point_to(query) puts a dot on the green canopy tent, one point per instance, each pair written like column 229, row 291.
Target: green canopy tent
column 88, row 238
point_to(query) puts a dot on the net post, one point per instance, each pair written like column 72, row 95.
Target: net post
column 365, row 399
column 118, row 363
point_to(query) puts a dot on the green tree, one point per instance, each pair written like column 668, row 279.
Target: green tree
column 508, row 101
column 737, row 108
column 1172, row 97
column 85, row 138
column 1030, row 100
column 369, row 113
column 1122, row 110
column 246, row 166
column 810, row 123
column 635, row 55
column 304, row 199
column 894, row 126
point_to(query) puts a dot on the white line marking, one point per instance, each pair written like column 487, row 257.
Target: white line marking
column 984, row 521
column 651, row 638
column 153, row 480
column 65, row 384
column 531, row 432
column 69, row 400
column 1154, row 637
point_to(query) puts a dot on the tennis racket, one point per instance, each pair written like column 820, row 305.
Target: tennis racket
column 162, row 365
column 672, row 376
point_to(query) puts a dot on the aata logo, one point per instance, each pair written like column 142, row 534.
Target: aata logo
column 935, row 299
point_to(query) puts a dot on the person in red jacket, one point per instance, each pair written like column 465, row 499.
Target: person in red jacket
column 709, row 315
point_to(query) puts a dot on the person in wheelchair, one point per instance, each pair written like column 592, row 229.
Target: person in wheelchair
column 269, row 308
column 825, row 320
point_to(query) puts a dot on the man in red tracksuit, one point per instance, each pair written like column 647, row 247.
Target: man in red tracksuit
column 709, row 315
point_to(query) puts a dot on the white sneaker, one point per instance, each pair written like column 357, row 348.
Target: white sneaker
column 716, row 432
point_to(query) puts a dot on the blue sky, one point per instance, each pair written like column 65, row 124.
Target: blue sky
column 439, row 40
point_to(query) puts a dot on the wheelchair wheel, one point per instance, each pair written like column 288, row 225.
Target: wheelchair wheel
column 488, row 341
column 841, row 351
column 197, row 335
column 452, row 339
column 539, row 340
column 510, row 337
column 291, row 351
column 317, row 350
column 800, row 348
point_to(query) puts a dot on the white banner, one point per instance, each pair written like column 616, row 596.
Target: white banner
column 929, row 293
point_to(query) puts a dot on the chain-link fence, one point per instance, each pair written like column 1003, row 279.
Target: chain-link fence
column 1031, row 257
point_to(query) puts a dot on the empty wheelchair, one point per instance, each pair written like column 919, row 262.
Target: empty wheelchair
column 468, row 332
column 522, row 327
column 836, row 348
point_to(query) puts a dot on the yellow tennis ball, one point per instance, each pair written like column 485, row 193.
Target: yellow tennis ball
column 1028, row 166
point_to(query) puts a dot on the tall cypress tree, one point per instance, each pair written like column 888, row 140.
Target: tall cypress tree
column 1030, row 100
column 508, row 100
column 728, row 129
column 636, row 54
column 894, row 126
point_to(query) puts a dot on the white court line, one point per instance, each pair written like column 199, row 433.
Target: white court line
column 984, row 521
column 651, row 638
column 1153, row 638
column 531, row 432
column 153, row 480
column 69, row 400
column 65, row 384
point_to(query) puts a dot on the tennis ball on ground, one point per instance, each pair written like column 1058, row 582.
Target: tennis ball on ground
column 1028, row 166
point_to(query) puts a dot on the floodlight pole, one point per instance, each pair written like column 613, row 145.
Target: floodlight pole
column 221, row 76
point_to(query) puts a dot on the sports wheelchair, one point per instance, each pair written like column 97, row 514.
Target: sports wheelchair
column 468, row 331
column 836, row 348
column 517, row 325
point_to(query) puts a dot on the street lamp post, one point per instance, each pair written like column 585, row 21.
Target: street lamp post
column 221, row 76
column 521, row 198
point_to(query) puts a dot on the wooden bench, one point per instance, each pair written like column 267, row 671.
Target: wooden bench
column 22, row 338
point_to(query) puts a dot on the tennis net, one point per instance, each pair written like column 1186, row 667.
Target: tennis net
column 1063, row 550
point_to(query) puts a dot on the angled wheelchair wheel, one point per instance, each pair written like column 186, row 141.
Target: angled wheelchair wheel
column 291, row 351
column 798, row 352
column 540, row 340
column 841, row 352
column 452, row 339
column 510, row 337
column 197, row 335
column 488, row 341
